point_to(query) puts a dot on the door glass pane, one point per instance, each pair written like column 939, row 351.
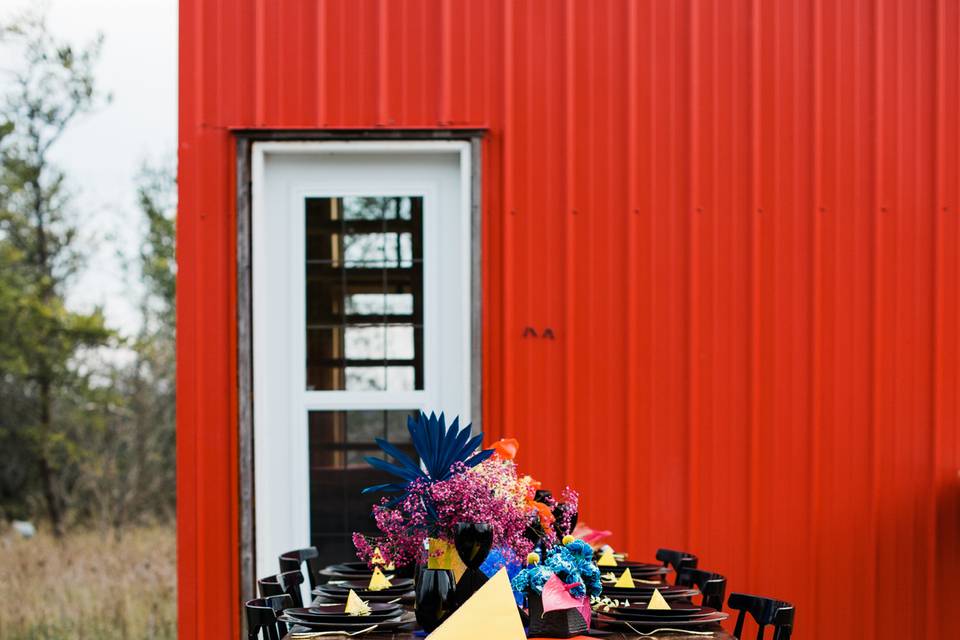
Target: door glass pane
column 339, row 441
column 364, row 293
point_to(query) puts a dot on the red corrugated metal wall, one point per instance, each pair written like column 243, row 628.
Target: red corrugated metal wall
column 740, row 219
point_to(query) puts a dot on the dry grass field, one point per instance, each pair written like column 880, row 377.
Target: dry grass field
column 89, row 587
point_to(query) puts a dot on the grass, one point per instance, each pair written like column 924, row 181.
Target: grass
column 89, row 586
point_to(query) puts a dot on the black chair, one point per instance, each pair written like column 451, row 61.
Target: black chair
column 676, row 559
column 765, row 611
column 279, row 604
column 712, row 586
column 294, row 560
column 284, row 583
column 262, row 623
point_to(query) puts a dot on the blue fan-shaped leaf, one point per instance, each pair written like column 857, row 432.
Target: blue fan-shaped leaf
column 435, row 429
column 467, row 450
column 480, row 457
column 383, row 465
column 390, row 487
column 400, row 456
column 456, row 445
column 438, row 448
column 418, row 433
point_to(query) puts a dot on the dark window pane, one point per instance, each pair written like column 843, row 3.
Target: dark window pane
column 339, row 441
column 364, row 293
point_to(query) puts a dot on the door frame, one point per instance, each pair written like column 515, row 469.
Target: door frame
column 244, row 139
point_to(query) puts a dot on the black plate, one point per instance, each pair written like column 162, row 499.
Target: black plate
column 605, row 621
column 382, row 625
column 330, row 608
column 335, row 613
column 632, row 613
column 641, row 594
column 387, row 625
column 404, row 584
column 327, row 591
column 377, row 596
column 636, row 567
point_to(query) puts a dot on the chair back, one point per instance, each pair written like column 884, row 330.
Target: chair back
column 294, row 560
column 261, row 620
column 712, row 586
column 287, row 583
column 676, row 559
column 765, row 612
column 279, row 604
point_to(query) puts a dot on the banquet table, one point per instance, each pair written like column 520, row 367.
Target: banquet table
column 718, row 634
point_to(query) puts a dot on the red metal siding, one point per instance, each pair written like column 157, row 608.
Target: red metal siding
column 740, row 219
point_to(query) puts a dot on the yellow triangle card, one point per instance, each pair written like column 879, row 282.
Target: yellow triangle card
column 377, row 557
column 607, row 559
column 356, row 606
column 490, row 613
column 657, row 601
column 378, row 581
column 625, row 580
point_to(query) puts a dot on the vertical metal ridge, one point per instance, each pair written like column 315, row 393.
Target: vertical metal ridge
column 936, row 327
column 753, row 502
column 446, row 68
column 260, row 56
column 939, row 200
column 320, row 51
column 383, row 67
column 691, row 211
column 569, row 269
column 876, row 392
column 509, row 204
column 633, row 257
column 816, row 296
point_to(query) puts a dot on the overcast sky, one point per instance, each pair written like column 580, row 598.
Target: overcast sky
column 102, row 152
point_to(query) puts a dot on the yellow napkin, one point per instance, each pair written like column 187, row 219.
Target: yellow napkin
column 356, row 606
column 657, row 601
column 377, row 557
column 625, row 580
column 378, row 581
column 490, row 613
column 607, row 559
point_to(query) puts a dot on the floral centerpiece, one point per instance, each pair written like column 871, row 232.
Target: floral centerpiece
column 558, row 589
column 454, row 483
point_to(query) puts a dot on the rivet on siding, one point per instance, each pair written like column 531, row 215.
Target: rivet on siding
column 513, row 212
column 759, row 210
column 883, row 209
column 946, row 208
column 636, row 212
column 823, row 209
column 699, row 209
column 575, row 212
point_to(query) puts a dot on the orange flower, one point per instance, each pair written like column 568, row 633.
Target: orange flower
column 506, row 448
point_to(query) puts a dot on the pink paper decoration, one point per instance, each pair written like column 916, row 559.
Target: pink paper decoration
column 555, row 596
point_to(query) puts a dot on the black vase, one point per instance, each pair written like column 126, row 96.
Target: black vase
column 472, row 541
column 435, row 598
column 558, row 514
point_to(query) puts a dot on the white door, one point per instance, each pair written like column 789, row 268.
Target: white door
column 361, row 314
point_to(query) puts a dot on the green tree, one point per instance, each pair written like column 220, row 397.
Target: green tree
column 133, row 479
column 45, row 384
